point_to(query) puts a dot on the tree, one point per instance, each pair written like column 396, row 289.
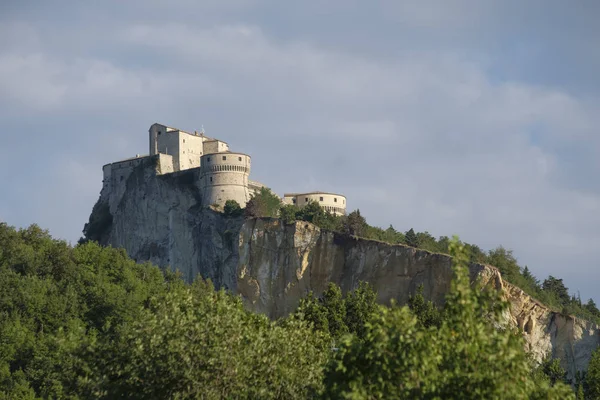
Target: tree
column 411, row 238
column 552, row 369
column 592, row 377
column 288, row 213
column 232, row 209
column 505, row 261
column 198, row 343
column 354, row 224
column 556, row 287
column 312, row 212
column 592, row 308
column 360, row 305
column 426, row 312
column 263, row 204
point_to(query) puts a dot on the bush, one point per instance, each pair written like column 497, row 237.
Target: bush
column 263, row 204
column 232, row 209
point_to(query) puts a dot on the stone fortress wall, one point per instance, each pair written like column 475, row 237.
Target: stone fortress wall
column 332, row 202
column 224, row 175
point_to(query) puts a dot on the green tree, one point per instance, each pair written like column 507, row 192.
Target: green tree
column 505, row 261
column 426, row 312
column 354, row 224
column 312, row 212
column 288, row 213
column 557, row 288
column 264, row 203
column 411, row 238
column 360, row 305
column 198, row 343
column 592, row 376
column 232, row 209
column 592, row 308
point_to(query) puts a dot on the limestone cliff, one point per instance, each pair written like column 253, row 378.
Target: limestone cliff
column 272, row 265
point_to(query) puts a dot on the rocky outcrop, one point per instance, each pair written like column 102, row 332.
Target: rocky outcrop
column 272, row 265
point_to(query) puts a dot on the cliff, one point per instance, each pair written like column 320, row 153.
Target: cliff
column 272, row 265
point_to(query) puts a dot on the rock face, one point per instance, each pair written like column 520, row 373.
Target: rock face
column 273, row 265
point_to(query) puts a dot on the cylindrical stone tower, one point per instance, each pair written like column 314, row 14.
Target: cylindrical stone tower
column 224, row 176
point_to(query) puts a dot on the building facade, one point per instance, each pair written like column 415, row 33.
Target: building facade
column 223, row 174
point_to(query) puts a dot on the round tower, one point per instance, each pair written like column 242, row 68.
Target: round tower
column 224, row 176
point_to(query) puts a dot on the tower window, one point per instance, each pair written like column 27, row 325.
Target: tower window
column 320, row 199
column 208, row 159
column 294, row 201
column 159, row 132
column 211, row 178
column 335, row 199
column 240, row 158
column 306, row 199
column 224, row 158
column 183, row 140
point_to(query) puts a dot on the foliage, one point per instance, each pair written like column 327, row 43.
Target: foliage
column 337, row 315
column 354, row 224
column 198, row 343
column 287, row 213
column 467, row 357
column 426, row 312
column 263, row 203
column 232, row 209
column 88, row 322
column 99, row 223
column 411, row 238
column 592, row 377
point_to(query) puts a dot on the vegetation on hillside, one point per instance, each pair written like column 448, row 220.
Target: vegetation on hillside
column 88, row 322
column 551, row 291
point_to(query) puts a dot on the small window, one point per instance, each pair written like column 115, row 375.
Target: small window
column 335, row 199
column 183, row 140
column 121, row 178
column 224, row 158
column 159, row 132
column 294, row 201
column 211, row 178
column 306, row 199
column 208, row 159
column 240, row 158
column 320, row 199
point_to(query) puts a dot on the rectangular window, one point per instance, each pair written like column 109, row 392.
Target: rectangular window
column 294, row 201
column 211, row 178
column 320, row 199
column 183, row 140
column 335, row 199
column 224, row 158
column 240, row 158
column 208, row 159
column 306, row 199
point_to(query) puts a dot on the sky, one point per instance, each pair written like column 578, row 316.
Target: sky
column 476, row 118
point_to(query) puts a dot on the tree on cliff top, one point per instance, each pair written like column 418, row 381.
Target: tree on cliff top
column 263, row 204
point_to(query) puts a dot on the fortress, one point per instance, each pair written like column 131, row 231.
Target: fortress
column 222, row 174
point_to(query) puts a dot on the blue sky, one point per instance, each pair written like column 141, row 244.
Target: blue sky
column 467, row 117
